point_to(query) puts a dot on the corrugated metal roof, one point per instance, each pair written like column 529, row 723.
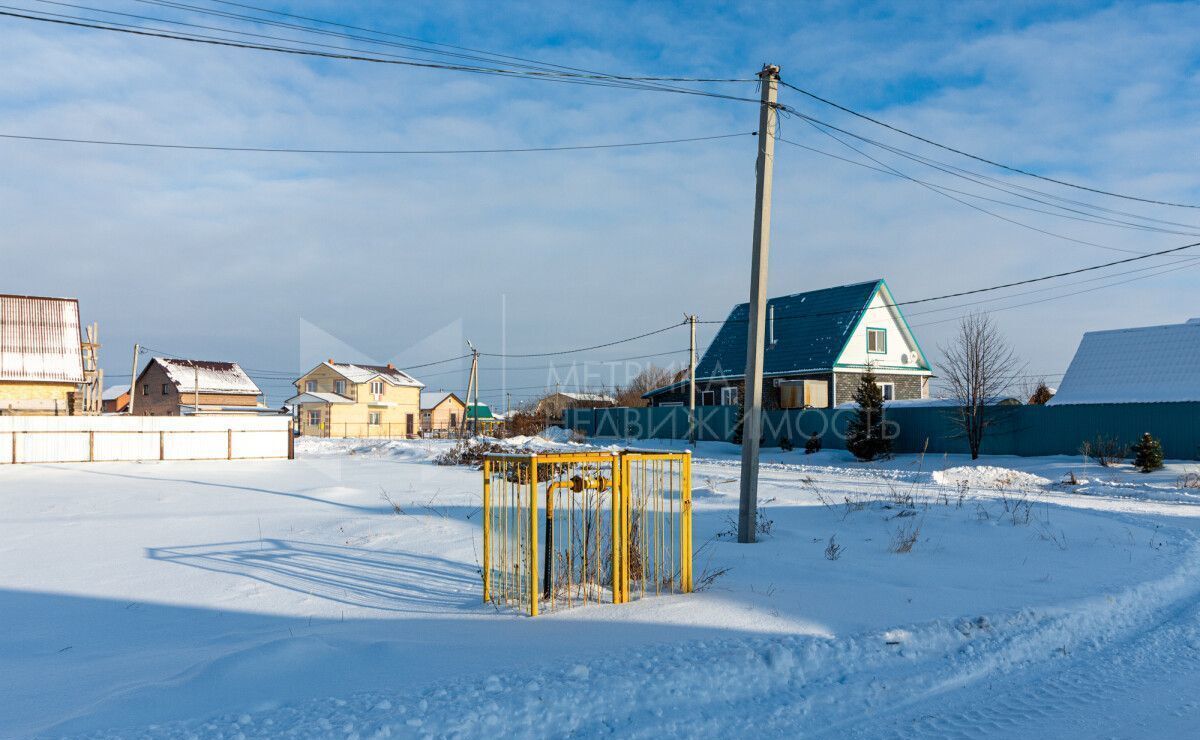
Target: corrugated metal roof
column 39, row 339
column 430, row 399
column 207, row 376
column 1144, row 364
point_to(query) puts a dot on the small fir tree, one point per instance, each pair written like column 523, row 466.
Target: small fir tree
column 785, row 443
column 864, row 433
column 812, row 444
column 1148, row 454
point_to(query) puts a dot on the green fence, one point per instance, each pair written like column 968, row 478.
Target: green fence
column 1016, row 430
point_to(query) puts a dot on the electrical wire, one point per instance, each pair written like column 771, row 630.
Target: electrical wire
column 282, row 150
column 978, row 158
column 585, row 349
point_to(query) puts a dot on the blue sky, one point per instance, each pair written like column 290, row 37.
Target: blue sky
column 279, row 261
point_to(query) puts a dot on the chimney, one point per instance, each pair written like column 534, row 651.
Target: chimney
column 330, row 360
column 391, row 366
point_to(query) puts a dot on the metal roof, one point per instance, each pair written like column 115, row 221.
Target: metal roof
column 356, row 373
column 811, row 329
column 431, row 399
column 205, row 376
column 1140, row 365
column 39, row 339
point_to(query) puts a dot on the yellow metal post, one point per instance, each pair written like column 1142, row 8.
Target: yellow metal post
column 487, row 530
column 617, row 552
column 533, row 536
column 685, row 554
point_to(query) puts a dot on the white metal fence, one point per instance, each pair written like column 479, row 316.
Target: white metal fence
column 54, row 439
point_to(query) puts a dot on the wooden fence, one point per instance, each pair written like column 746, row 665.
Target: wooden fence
column 58, row 439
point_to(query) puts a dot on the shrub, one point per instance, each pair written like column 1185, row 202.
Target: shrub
column 1148, row 454
column 905, row 538
column 812, row 444
column 1104, row 450
column 1041, row 395
column 833, row 550
column 1190, row 479
column 785, row 443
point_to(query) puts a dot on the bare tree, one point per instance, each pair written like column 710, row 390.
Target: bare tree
column 978, row 366
column 648, row 379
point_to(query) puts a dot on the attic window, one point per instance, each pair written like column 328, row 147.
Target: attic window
column 311, row 386
column 877, row 341
column 339, row 387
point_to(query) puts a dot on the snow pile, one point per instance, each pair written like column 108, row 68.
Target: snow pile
column 988, row 476
column 415, row 450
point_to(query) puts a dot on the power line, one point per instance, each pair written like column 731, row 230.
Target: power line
column 978, row 158
column 584, row 349
column 600, row 80
column 1085, row 216
column 283, row 150
column 1002, row 286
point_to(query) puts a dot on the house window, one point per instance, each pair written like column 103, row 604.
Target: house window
column 145, row 389
column 877, row 341
column 164, row 392
column 339, row 387
column 373, row 417
column 888, row 390
column 729, row 396
column 377, row 387
column 311, row 386
column 314, row 418
column 453, row 420
column 708, row 398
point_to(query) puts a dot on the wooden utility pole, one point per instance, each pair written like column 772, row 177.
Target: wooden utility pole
column 692, row 380
column 472, row 385
column 137, row 348
column 756, row 329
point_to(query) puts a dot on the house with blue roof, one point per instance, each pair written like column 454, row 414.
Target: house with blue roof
column 816, row 348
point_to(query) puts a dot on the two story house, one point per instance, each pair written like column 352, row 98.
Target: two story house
column 339, row 399
column 816, row 347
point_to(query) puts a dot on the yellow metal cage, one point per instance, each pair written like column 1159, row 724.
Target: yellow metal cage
column 563, row 529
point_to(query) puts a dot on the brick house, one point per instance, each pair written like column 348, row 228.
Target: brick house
column 441, row 412
column 41, row 355
column 177, row 387
column 115, row 399
column 341, row 399
column 817, row 346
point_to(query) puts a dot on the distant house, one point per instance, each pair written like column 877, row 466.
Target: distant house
column 480, row 418
column 1157, row 364
column 176, row 387
column 115, row 399
column 441, row 412
column 41, row 355
column 341, row 399
column 555, row 403
column 816, row 347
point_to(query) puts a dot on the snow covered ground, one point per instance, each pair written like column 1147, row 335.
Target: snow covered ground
column 338, row 595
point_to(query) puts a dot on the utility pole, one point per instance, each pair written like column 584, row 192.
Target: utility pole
column 692, row 381
column 472, row 385
column 137, row 348
column 756, row 329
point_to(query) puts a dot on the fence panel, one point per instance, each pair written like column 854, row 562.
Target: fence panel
column 26, row 439
column 1014, row 430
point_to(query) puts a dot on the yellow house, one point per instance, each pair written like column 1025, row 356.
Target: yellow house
column 339, row 399
column 41, row 356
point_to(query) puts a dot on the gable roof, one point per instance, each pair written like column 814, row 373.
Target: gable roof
column 356, row 373
column 205, row 376
column 39, row 339
column 432, row 399
column 113, row 392
column 1138, row 365
column 479, row 411
column 577, row 396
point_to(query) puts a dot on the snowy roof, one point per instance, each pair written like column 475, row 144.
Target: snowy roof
column 39, row 339
column 1138, row 365
column 431, row 399
column 366, row 373
column 588, row 397
column 206, row 376
column 314, row 397
column 113, row 392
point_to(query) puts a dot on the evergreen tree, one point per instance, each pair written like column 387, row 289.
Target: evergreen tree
column 813, row 444
column 864, row 433
column 1148, row 454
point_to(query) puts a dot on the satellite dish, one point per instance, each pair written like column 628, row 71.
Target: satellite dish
column 904, row 359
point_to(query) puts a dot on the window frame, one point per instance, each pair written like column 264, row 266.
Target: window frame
column 374, row 418
column 314, row 417
column 730, row 392
column 887, row 384
column 883, row 331
column 339, row 387
column 310, row 386
column 377, row 387
column 165, row 392
column 708, row 398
